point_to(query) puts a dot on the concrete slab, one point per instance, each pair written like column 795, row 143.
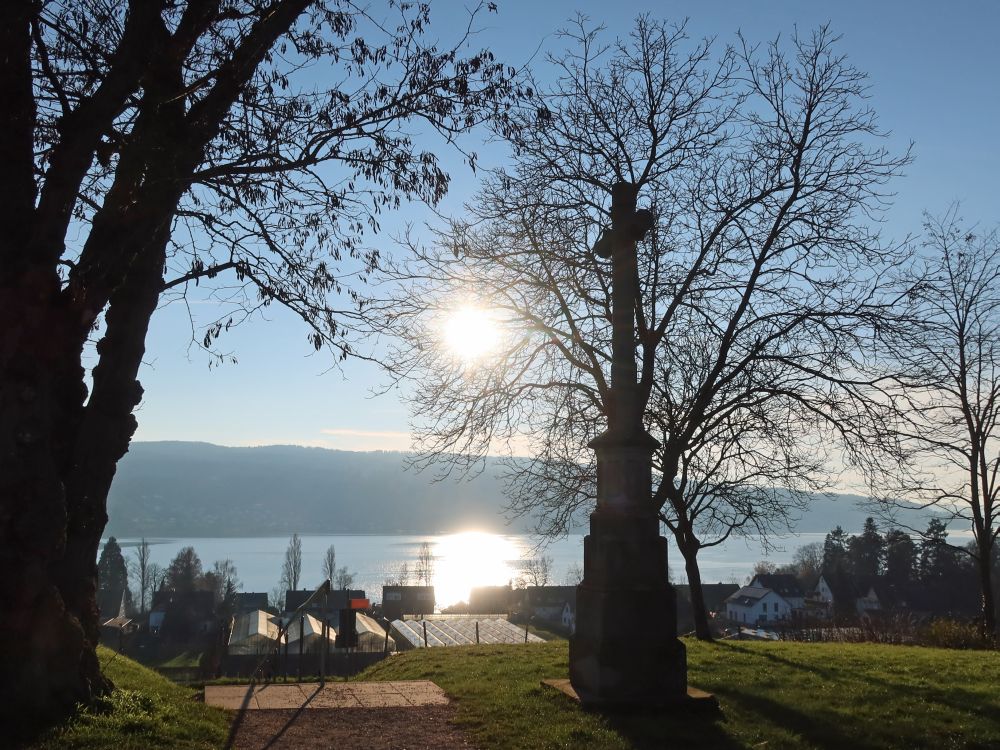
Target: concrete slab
column 332, row 695
column 232, row 697
column 326, row 698
column 280, row 696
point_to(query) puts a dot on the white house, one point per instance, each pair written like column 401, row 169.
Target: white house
column 823, row 592
column 865, row 595
column 755, row 605
column 785, row 585
column 569, row 617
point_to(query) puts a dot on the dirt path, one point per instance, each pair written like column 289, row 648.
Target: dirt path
column 414, row 728
column 408, row 715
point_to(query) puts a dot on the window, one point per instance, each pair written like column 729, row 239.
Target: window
column 393, row 596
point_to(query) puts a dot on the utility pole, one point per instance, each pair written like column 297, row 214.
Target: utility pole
column 625, row 593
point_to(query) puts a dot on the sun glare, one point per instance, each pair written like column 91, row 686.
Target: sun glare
column 470, row 333
column 472, row 558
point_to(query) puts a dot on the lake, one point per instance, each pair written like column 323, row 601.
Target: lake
column 461, row 561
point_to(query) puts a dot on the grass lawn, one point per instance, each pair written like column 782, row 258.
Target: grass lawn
column 773, row 695
column 179, row 659
column 146, row 710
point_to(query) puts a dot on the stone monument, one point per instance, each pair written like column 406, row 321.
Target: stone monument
column 625, row 651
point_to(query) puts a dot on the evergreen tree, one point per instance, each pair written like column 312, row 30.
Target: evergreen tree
column 938, row 561
column 112, row 580
column 865, row 551
column 900, row 557
column 184, row 573
column 835, row 558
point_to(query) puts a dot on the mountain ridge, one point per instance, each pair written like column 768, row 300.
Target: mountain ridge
column 200, row 489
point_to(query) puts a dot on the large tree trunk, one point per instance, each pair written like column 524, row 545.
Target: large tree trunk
column 56, row 467
column 690, row 553
column 58, row 450
column 989, row 605
column 43, row 644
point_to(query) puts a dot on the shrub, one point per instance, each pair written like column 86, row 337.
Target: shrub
column 945, row 633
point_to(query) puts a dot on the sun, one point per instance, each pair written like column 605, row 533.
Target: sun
column 468, row 559
column 471, row 332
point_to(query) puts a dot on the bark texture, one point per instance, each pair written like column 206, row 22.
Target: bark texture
column 690, row 554
column 59, row 444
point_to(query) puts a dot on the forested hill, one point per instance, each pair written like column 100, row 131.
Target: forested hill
column 200, row 489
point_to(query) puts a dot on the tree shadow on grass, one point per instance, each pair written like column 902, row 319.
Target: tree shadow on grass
column 679, row 729
column 955, row 698
column 816, row 730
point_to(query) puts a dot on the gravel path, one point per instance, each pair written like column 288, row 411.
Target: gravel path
column 415, row 728
column 408, row 715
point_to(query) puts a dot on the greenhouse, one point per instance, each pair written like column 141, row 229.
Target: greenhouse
column 310, row 630
column 458, row 631
column 253, row 633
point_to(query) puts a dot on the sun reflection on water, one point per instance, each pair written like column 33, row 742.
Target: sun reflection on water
column 472, row 558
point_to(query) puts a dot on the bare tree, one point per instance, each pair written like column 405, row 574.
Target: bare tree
column 946, row 358
column 291, row 568
column 235, row 151
column 537, row 571
column 761, row 280
column 764, row 567
column 399, row 576
column 157, row 577
column 574, row 575
column 276, row 598
column 227, row 580
column 807, row 562
column 330, row 563
column 141, row 573
column 425, row 564
column 344, row 579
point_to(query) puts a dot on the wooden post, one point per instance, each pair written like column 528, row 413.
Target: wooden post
column 302, row 638
column 285, row 677
column 425, row 633
column 322, row 652
column 525, row 631
column 477, row 632
column 385, row 648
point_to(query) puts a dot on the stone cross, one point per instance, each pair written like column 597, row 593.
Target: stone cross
column 625, row 650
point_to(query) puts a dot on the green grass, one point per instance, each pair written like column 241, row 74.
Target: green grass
column 179, row 659
column 545, row 633
column 773, row 695
column 145, row 710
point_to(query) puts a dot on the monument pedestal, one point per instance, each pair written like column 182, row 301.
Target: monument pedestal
column 625, row 650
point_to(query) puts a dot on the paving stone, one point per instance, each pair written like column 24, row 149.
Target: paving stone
column 331, row 695
column 230, row 696
column 327, row 698
column 280, row 696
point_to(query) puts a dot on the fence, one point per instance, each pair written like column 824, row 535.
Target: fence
column 284, row 660
column 291, row 666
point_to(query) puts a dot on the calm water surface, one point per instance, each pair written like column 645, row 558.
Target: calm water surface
column 461, row 561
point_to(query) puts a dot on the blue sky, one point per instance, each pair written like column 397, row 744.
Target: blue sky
column 933, row 70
